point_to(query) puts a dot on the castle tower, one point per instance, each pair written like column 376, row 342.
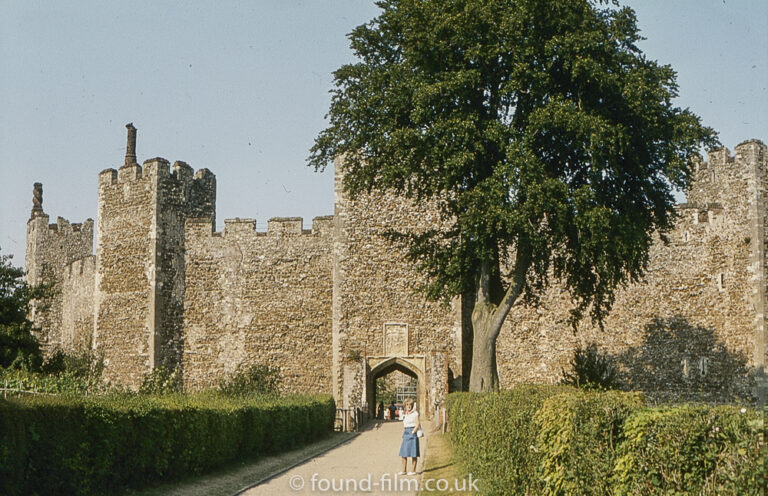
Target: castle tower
column 140, row 268
column 50, row 249
column 736, row 186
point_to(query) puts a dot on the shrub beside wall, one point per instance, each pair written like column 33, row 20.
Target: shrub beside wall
column 693, row 449
column 494, row 436
column 578, row 434
column 564, row 441
column 57, row 445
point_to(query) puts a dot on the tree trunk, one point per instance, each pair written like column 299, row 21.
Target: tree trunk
column 487, row 318
column 484, row 375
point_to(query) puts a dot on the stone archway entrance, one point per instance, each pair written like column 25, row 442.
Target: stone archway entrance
column 415, row 367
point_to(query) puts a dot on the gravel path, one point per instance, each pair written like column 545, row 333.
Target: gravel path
column 367, row 464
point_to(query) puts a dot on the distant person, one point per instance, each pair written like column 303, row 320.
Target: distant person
column 392, row 411
column 380, row 412
column 409, row 448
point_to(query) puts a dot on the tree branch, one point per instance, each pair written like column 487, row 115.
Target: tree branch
column 522, row 264
column 483, row 288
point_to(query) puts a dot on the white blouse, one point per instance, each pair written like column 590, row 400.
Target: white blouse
column 411, row 419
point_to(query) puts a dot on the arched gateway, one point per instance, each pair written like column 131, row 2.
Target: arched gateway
column 380, row 323
column 377, row 367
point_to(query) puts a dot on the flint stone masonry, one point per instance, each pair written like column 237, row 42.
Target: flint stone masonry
column 77, row 304
column 334, row 307
column 374, row 289
column 50, row 248
column 679, row 313
column 259, row 297
column 140, row 275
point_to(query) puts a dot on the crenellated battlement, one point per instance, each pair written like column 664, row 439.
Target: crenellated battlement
column 691, row 215
column 202, row 227
column 322, row 225
column 751, row 151
column 748, row 151
column 285, row 226
column 61, row 228
column 158, row 167
column 83, row 267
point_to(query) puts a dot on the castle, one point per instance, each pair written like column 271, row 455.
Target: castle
column 334, row 306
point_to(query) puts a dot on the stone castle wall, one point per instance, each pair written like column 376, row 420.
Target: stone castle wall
column 375, row 301
column 335, row 307
column 50, row 248
column 259, row 297
column 181, row 194
column 140, row 275
column 689, row 325
column 77, row 304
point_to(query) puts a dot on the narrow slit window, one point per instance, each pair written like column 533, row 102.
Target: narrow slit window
column 703, row 366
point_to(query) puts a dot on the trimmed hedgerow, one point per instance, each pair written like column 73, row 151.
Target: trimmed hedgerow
column 57, row 445
column 693, row 449
column 578, row 434
column 493, row 435
column 561, row 440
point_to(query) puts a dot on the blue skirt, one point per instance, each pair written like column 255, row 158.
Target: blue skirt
column 410, row 445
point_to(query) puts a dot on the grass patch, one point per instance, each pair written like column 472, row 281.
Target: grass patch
column 440, row 464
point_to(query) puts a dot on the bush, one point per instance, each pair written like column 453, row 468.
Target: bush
column 19, row 349
column 494, row 437
column 254, row 379
column 96, row 445
column 693, row 449
column 591, row 370
column 578, row 434
column 562, row 440
column 66, row 383
column 83, row 364
column 161, row 380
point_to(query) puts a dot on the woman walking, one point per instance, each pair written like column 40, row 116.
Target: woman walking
column 410, row 445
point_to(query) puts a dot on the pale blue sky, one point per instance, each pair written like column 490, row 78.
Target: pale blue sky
column 242, row 89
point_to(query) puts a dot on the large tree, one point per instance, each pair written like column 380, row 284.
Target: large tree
column 550, row 142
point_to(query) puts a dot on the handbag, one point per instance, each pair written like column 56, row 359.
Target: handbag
column 420, row 432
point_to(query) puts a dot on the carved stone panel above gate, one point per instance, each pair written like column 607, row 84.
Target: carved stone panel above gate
column 395, row 339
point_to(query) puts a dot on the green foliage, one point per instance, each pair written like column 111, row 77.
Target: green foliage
column 494, row 437
column 560, row 440
column 386, row 389
column 591, row 370
column 253, row 379
column 693, row 449
column 19, row 349
column 66, row 383
column 539, row 127
column 161, row 380
column 354, row 356
column 578, row 434
column 104, row 444
column 545, row 138
column 79, row 364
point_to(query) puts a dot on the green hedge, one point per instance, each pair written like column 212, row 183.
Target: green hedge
column 58, row 445
column 493, row 435
column 564, row 441
column 578, row 434
column 693, row 449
